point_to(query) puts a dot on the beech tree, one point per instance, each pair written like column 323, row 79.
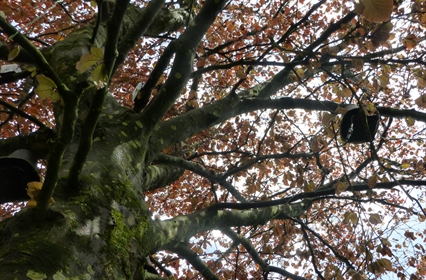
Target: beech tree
column 207, row 139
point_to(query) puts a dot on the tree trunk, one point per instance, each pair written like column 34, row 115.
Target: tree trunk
column 99, row 228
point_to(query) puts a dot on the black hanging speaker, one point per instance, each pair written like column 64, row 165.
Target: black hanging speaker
column 16, row 170
column 357, row 127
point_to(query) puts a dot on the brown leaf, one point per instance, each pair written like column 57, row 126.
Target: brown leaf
column 410, row 235
column 421, row 101
column 372, row 181
column 377, row 10
column 375, row 219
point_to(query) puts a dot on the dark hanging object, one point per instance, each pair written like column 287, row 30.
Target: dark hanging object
column 355, row 128
column 16, row 170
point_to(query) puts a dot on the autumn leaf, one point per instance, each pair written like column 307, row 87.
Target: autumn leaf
column 89, row 59
column 405, row 165
column 410, row 41
column 410, row 235
column 372, row 181
column 314, row 144
column 375, row 219
column 45, row 88
column 385, row 263
column 308, row 187
column 341, row 187
column 375, row 268
column 358, row 63
column 14, row 53
column 377, row 10
column 421, row 101
column 33, row 192
column 381, row 34
column 327, row 118
column 33, row 189
column 99, row 76
column 409, row 121
column 350, row 217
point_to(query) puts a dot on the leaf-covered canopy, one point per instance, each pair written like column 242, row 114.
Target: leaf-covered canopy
column 239, row 115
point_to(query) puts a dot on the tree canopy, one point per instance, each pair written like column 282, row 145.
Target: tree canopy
column 208, row 139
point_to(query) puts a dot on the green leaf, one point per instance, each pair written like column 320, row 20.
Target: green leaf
column 13, row 53
column 46, row 81
column 89, row 59
column 100, row 77
column 46, row 87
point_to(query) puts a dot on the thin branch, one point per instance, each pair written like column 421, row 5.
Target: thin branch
column 337, row 254
column 10, row 77
column 138, row 29
column 192, row 257
column 321, row 193
column 198, row 169
column 22, row 114
column 249, row 247
column 311, row 250
column 285, row 273
column 38, row 57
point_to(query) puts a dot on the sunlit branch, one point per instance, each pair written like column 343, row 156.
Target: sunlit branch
column 22, row 114
column 192, row 257
column 182, row 228
column 197, row 120
column 182, row 66
column 198, row 169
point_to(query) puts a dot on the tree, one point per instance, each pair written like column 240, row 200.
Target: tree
column 228, row 164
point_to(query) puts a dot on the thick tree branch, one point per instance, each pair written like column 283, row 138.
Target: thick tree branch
column 182, row 66
column 10, row 77
column 180, row 229
column 159, row 175
column 37, row 142
column 88, row 127
column 196, row 120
